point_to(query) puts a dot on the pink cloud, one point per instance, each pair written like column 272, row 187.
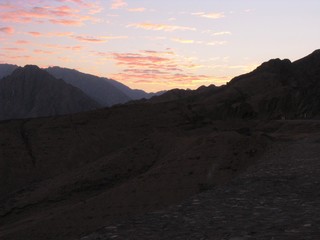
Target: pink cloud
column 59, row 34
column 157, row 69
column 5, row 6
column 184, row 41
column 45, row 12
column 22, row 42
column 136, row 59
column 40, row 51
column 165, row 78
column 14, row 49
column 50, row 34
column 35, row 34
column 89, row 39
column 99, row 39
column 136, row 9
column 7, row 30
column 213, row 15
column 63, row 47
column 116, row 4
column 63, row 11
column 93, row 7
column 80, row 2
column 23, row 57
column 67, row 22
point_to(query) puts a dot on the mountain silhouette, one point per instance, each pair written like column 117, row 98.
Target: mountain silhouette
column 6, row 69
column 95, row 87
column 31, row 92
column 277, row 89
column 134, row 94
column 236, row 147
column 105, row 91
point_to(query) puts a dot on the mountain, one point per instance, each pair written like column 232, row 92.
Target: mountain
column 30, row 92
column 134, row 94
column 6, row 69
column 180, row 94
column 278, row 89
column 105, row 91
column 157, row 162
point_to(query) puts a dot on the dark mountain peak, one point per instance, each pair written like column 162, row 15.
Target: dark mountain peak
column 57, row 68
column 314, row 55
column 275, row 65
column 316, row 52
column 206, row 88
column 6, row 65
column 6, row 69
column 27, row 68
column 309, row 61
column 31, row 67
column 32, row 92
column 31, row 73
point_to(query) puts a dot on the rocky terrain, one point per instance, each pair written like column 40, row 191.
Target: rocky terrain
column 233, row 162
column 276, row 198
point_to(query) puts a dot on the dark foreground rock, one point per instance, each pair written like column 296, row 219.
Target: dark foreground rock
column 278, row 198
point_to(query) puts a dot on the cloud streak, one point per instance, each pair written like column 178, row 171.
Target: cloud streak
column 136, row 9
column 117, row 4
column 7, row 30
column 212, row 15
column 100, row 39
column 151, row 67
column 45, row 12
column 161, row 27
column 184, row 41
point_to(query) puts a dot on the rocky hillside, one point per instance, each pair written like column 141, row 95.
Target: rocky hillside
column 278, row 89
column 30, row 92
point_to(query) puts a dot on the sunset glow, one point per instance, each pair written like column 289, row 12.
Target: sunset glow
column 157, row 45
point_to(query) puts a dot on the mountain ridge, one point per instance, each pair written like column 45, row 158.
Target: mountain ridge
column 31, row 92
column 107, row 92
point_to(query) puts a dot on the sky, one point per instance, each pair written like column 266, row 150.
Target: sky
column 158, row 45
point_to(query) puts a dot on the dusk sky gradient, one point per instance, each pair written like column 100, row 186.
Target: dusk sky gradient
column 158, row 45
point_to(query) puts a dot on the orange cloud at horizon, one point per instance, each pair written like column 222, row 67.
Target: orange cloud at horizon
column 157, row 69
